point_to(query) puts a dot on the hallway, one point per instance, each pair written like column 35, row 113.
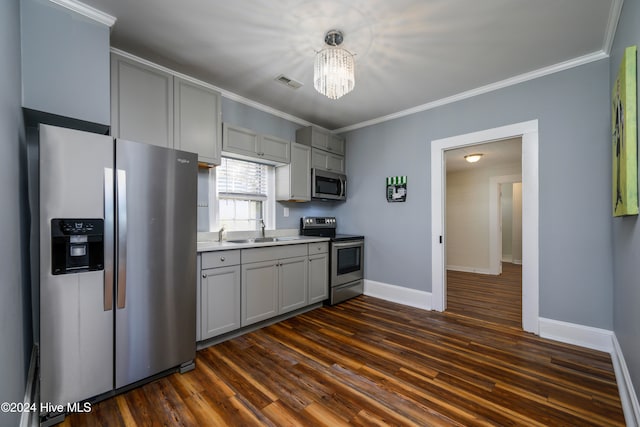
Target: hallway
column 496, row 299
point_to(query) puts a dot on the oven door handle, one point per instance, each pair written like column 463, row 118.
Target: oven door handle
column 347, row 244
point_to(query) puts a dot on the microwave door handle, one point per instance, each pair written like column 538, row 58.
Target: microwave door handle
column 343, row 187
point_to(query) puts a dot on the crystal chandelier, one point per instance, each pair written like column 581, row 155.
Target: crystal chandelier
column 334, row 68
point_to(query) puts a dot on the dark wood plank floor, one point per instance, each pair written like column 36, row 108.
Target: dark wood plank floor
column 495, row 299
column 370, row 362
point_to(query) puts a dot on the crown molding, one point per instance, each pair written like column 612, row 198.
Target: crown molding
column 596, row 56
column 612, row 25
column 88, row 11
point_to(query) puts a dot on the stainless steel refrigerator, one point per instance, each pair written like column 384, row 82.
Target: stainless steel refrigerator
column 117, row 233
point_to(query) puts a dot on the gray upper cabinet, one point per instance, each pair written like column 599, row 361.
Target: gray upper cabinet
column 320, row 139
column 293, row 181
column 274, row 149
column 238, row 140
column 335, row 145
column 197, row 113
column 327, row 161
column 249, row 145
column 155, row 107
column 141, row 102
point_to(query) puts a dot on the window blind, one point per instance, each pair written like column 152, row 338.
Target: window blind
column 241, row 179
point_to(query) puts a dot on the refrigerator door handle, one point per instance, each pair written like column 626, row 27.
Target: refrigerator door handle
column 121, row 287
column 108, row 238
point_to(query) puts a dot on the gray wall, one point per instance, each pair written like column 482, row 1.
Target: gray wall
column 15, row 328
column 65, row 62
column 575, row 233
column 626, row 230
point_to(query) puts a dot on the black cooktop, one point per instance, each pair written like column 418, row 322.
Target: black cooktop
column 324, row 227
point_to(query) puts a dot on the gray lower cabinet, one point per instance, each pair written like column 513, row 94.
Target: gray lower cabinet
column 274, row 281
column 259, row 291
column 221, row 300
column 245, row 286
column 318, row 277
column 292, row 282
column 220, row 293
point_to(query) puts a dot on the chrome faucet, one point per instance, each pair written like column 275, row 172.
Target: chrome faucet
column 220, row 235
column 262, row 227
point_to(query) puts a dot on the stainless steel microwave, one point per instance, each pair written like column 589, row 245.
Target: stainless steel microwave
column 327, row 185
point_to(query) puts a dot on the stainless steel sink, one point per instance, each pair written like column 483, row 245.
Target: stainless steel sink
column 254, row 240
column 262, row 240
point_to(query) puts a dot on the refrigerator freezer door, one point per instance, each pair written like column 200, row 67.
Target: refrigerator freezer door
column 76, row 317
column 156, row 292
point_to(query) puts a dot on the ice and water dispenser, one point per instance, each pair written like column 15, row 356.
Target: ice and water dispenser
column 77, row 245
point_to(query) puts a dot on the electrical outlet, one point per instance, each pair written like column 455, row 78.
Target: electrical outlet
column 286, row 212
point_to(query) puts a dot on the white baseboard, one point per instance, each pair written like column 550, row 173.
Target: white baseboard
column 571, row 333
column 398, row 294
column 517, row 261
column 628, row 396
column 471, row 269
column 507, row 258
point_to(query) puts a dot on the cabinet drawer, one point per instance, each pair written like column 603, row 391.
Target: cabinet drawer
column 220, row 259
column 318, row 248
column 273, row 252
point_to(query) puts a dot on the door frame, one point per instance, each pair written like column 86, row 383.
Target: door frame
column 528, row 131
column 495, row 220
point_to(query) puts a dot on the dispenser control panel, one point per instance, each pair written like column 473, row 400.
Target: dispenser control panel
column 77, row 245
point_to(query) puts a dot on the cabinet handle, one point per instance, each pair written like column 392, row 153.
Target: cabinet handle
column 222, row 259
column 204, row 276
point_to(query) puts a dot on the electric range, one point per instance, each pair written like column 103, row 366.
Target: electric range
column 346, row 261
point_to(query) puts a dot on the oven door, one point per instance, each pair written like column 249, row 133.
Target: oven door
column 347, row 261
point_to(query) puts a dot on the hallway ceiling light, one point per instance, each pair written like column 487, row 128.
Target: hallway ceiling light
column 334, row 68
column 472, row 158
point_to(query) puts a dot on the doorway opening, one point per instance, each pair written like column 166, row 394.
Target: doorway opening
column 528, row 132
column 484, row 233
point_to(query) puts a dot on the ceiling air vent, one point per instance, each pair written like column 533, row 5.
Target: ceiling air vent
column 293, row 84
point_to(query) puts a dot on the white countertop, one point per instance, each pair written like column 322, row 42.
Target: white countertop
column 208, row 246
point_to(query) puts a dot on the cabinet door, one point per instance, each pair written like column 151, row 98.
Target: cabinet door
column 274, row 149
column 319, row 139
column 197, row 120
column 141, row 103
column 335, row 163
column 300, row 184
column 318, row 278
column 319, row 159
column 239, row 140
column 327, row 161
column 220, row 311
column 293, row 181
column 259, row 291
column 293, row 280
column 336, row 145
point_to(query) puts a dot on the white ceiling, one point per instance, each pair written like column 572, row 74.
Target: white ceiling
column 494, row 154
column 408, row 52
